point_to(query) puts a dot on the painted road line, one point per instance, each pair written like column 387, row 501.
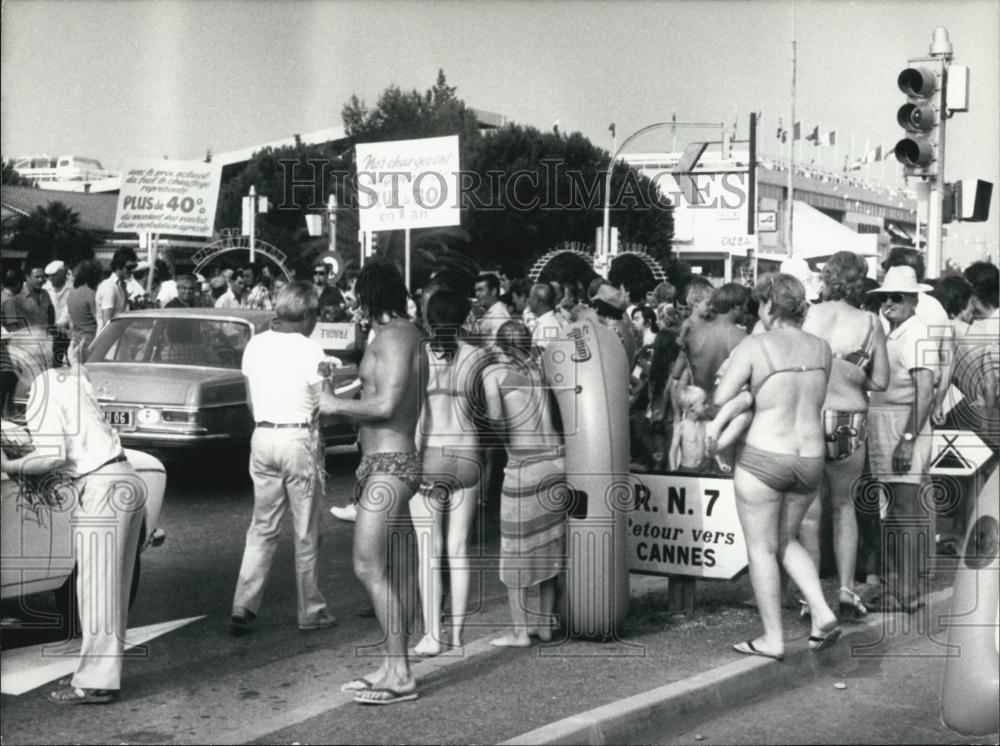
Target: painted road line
column 25, row 669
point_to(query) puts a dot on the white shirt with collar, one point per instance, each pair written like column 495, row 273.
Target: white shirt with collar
column 281, row 370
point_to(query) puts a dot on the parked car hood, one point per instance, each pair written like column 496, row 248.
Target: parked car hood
column 163, row 384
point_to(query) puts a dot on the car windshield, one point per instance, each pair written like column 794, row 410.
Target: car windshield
column 173, row 341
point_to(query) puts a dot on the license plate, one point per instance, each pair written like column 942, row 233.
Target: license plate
column 121, row 418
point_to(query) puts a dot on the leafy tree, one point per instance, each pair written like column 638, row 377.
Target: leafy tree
column 552, row 190
column 12, row 177
column 527, row 191
column 53, row 232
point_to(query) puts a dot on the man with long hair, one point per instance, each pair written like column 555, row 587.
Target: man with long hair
column 389, row 474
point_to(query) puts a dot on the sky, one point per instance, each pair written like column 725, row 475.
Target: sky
column 132, row 79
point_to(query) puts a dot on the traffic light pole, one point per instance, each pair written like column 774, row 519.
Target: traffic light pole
column 940, row 49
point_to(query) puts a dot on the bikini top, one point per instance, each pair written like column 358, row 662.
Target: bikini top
column 863, row 355
column 789, row 369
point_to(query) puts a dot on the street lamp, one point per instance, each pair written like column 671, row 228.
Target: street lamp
column 601, row 260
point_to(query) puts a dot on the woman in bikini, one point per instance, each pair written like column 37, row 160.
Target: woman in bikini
column 859, row 365
column 445, row 506
column 781, row 463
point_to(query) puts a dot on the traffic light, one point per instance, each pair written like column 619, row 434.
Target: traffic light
column 922, row 116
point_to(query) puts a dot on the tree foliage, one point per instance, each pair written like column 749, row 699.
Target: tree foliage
column 52, row 232
column 10, row 177
column 527, row 191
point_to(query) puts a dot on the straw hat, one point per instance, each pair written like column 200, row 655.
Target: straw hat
column 901, row 280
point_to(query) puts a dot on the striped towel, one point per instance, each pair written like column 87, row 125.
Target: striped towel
column 532, row 518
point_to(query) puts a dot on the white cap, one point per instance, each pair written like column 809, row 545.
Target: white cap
column 52, row 267
column 141, row 266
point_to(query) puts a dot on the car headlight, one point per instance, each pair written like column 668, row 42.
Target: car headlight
column 148, row 416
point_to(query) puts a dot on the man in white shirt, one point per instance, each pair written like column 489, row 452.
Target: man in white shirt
column 233, row 298
column 284, row 390
column 111, row 297
column 548, row 323
column 72, row 439
column 939, row 326
column 495, row 313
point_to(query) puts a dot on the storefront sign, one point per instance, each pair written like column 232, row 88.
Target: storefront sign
column 685, row 525
column 175, row 197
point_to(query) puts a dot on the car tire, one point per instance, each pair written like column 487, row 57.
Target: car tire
column 66, row 605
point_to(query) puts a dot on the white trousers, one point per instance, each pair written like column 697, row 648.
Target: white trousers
column 286, row 472
column 106, row 527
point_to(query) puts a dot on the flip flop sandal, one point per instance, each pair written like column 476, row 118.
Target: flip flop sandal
column 384, row 696
column 748, row 648
column 816, row 644
column 71, row 695
column 359, row 684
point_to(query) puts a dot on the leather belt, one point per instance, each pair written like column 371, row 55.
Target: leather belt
column 265, row 423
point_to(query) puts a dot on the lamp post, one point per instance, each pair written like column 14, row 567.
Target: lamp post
column 601, row 260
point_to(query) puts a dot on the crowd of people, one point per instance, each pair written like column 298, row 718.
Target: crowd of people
column 805, row 401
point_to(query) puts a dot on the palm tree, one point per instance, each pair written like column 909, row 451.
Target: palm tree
column 53, row 232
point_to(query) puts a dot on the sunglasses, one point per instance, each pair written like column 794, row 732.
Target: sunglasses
column 894, row 298
column 131, row 266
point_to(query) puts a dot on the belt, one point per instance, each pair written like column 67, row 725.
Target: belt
column 265, row 423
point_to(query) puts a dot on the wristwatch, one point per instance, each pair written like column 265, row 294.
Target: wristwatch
column 908, row 437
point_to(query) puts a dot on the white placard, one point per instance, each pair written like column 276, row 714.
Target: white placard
column 334, row 336
column 408, row 184
column 685, row 525
column 175, row 197
column 957, row 453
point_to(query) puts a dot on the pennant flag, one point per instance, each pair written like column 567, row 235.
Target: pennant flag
column 878, row 153
column 612, row 128
column 830, row 138
column 782, row 133
column 874, row 156
column 813, row 136
column 797, row 131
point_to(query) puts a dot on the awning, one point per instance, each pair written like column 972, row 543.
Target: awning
column 817, row 236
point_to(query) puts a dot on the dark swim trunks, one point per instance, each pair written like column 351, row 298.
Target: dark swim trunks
column 406, row 467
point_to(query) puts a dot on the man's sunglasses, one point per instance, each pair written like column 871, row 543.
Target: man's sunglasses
column 131, row 266
column 894, row 298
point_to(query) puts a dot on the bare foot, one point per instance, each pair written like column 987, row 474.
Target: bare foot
column 512, row 641
column 542, row 633
column 428, row 647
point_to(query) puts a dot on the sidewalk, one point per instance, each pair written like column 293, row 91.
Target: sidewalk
column 658, row 678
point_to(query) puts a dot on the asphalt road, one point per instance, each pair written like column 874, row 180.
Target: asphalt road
column 893, row 700
column 197, row 684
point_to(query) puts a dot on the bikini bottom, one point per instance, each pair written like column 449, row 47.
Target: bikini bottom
column 782, row 472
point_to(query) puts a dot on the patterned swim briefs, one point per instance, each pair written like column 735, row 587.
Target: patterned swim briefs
column 407, row 467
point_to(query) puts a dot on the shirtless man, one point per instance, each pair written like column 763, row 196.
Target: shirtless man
column 707, row 345
column 389, row 473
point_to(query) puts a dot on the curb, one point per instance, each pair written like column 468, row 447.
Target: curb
column 683, row 704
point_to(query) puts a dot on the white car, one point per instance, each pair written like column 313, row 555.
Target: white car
column 36, row 550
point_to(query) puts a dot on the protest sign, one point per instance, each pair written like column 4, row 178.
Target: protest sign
column 408, row 184
column 174, row 197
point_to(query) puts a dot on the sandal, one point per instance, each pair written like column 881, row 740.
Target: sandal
column 72, row 695
column 855, row 608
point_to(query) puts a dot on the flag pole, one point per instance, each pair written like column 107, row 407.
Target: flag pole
column 791, row 154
